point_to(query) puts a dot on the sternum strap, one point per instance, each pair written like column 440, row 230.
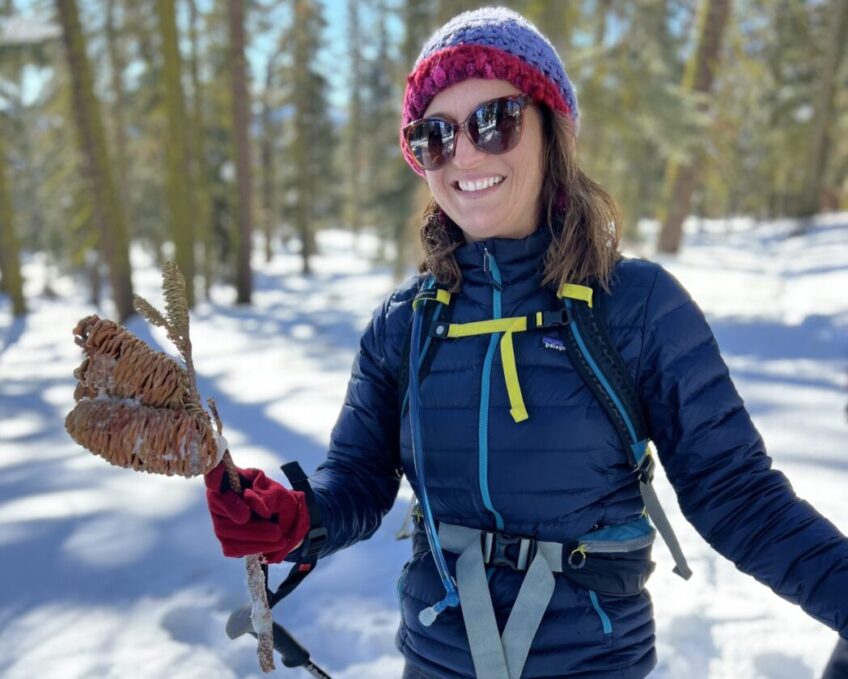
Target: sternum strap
column 507, row 326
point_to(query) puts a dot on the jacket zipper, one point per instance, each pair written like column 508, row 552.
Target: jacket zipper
column 490, row 267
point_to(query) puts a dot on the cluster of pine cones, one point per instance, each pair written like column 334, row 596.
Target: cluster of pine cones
column 134, row 407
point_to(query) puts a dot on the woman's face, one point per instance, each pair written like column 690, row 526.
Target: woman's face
column 510, row 208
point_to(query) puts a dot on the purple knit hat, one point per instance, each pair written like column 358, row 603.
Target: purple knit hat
column 493, row 43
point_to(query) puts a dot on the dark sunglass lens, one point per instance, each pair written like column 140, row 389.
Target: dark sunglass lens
column 431, row 142
column 496, row 126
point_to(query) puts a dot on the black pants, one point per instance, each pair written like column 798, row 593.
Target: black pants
column 837, row 668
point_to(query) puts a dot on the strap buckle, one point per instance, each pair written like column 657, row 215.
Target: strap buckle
column 561, row 316
column 549, row 319
column 645, row 469
column 501, row 549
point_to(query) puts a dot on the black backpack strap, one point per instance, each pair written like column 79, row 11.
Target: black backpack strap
column 437, row 307
column 602, row 368
column 314, row 541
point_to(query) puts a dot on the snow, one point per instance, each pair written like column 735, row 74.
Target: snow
column 109, row 573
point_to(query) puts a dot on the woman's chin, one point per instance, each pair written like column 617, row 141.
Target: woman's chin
column 481, row 230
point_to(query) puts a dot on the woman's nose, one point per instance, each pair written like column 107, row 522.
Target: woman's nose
column 466, row 155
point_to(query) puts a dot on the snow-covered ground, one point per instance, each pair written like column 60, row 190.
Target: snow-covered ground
column 109, row 573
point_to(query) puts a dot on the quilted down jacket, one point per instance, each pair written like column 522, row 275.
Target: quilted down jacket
column 562, row 472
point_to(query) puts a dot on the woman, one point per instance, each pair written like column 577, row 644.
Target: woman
column 515, row 463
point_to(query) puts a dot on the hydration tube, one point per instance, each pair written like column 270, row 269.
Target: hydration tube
column 426, row 616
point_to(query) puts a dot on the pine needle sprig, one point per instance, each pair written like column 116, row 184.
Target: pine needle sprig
column 176, row 307
column 149, row 312
column 176, row 324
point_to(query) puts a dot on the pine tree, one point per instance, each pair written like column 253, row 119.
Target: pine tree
column 822, row 122
column 109, row 211
column 200, row 191
column 310, row 180
column 10, row 268
column 354, row 163
column 115, row 37
column 178, row 183
column 682, row 177
column 380, row 146
column 267, row 148
column 243, row 233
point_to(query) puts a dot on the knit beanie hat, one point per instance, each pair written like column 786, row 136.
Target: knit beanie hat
column 493, row 43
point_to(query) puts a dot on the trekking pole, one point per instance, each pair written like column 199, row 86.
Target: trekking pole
column 292, row 653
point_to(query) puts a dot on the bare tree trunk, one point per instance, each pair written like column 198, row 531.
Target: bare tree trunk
column 108, row 208
column 178, row 179
column 822, row 121
column 300, row 148
column 241, row 119
column 681, row 181
column 119, row 107
column 356, row 166
column 200, row 193
column 10, row 266
column 269, row 181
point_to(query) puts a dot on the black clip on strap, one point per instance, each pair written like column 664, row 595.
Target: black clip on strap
column 550, row 319
column 645, row 468
column 313, row 543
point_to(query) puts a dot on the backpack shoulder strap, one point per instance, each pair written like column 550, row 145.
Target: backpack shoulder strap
column 437, row 306
column 602, row 368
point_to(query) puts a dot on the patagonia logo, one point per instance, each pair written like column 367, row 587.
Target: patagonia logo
column 553, row 343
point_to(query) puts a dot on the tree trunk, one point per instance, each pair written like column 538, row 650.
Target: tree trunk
column 300, row 146
column 109, row 213
column 269, row 180
column 823, row 119
column 241, row 140
column 119, row 108
column 200, row 194
column 178, row 178
column 682, row 179
column 356, row 165
column 10, row 266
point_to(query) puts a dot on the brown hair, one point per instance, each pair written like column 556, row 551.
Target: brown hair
column 581, row 215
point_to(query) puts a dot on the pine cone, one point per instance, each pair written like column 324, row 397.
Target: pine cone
column 133, row 405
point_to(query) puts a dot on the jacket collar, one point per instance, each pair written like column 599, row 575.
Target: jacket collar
column 518, row 260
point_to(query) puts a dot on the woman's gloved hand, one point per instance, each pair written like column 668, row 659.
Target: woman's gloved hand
column 266, row 518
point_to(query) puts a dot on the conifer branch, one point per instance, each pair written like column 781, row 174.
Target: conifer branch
column 149, row 312
column 177, row 325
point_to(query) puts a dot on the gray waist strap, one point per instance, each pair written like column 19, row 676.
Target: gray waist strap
column 498, row 656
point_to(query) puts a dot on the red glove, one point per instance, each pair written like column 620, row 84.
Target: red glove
column 266, row 519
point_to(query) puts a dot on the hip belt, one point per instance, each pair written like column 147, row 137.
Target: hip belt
column 503, row 656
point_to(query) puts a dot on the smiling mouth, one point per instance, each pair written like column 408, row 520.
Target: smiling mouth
column 477, row 185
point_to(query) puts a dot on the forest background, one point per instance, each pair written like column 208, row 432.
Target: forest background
column 202, row 130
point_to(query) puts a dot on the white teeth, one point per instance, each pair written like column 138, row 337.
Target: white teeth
column 480, row 184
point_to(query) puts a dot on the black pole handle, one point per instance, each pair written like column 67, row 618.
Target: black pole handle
column 292, row 653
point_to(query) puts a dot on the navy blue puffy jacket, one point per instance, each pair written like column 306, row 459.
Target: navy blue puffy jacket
column 562, row 472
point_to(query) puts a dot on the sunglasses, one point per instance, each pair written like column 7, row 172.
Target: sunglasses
column 493, row 127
